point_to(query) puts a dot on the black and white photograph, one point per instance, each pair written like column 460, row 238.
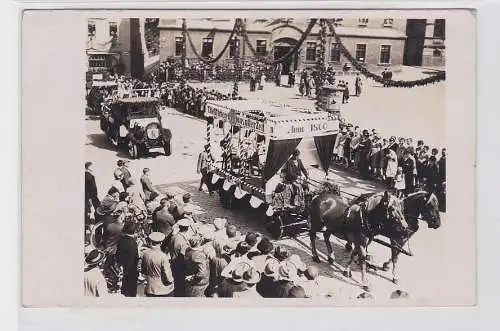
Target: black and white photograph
column 262, row 158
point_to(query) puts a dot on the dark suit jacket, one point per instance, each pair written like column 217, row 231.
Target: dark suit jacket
column 293, row 170
column 127, row 255
column 90, row 186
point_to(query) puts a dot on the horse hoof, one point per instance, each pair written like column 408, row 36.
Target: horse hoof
column 316, row 259
column 330, row 260
column 348, row 247
column 385, row 266
column 347, row 274
column 366, row 288
column 395, row 281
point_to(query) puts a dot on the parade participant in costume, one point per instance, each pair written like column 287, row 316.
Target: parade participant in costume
column 156, row 269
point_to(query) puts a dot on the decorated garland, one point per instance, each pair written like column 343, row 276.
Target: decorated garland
column 218, row 57
column 184, row 48
column 287, row 55
column 237, row 64
column 394, row 83
column 320, row 63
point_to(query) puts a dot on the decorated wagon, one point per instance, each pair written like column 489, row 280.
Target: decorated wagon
column 250, row 142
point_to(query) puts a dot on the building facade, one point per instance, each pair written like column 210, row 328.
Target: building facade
column 425, row 44
column 376, row 42
column 116, row 46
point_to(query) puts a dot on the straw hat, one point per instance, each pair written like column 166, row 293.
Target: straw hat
column 94, row 257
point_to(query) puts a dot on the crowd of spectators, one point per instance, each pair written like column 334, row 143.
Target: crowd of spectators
column 397, row 161
column 183, row 254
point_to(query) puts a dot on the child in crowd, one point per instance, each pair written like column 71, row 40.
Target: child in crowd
column 399, row 183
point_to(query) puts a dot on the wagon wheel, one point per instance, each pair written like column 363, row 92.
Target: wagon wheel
column 96, row 236
column 275, row 226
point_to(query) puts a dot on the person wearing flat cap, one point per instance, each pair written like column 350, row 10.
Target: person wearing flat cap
column 94, row 281
column 127, row 256
column 156, row 269
column 178, row 246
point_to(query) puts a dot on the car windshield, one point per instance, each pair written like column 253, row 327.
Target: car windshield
column 143, row 109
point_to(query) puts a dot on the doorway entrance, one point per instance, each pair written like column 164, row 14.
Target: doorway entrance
column 281, row 47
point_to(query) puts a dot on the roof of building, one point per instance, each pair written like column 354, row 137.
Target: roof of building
column 208, row 25
column 266, row 27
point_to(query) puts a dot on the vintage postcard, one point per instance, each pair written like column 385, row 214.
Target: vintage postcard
column 252, row 156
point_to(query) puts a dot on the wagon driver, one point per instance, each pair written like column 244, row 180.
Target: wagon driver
column 294, row 168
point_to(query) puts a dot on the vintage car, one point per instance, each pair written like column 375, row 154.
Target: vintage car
column 135, row 123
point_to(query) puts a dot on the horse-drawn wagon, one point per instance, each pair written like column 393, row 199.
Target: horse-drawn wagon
column 250, row 142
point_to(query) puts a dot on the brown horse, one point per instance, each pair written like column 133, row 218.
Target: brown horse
column 358, row 223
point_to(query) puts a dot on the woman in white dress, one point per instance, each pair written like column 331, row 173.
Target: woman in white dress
column 391, row 168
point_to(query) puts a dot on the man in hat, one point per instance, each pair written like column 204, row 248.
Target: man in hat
column 93, row 279
column 127, row 256
column 223, row 256
column 104, row 213
column 163, row 220
column 204, row 160
column 197, row 268
column 122, row 166
column 241, row 283
column 287, row 273
column 91, row 196
column 263, row 253
column 267, row 286
column 294, row 169
column 364, row 149
column 358, row 84
column 156, row 269
column 117, row 183
column 147, row 186
column 178, row 247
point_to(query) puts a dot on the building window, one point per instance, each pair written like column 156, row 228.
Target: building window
column 261, row 49
column 311, row 51
column 437, row 53
column 232, row 47
column 113, row 29
column 385, row 54
column 388, row 22
column 363, row 21
column 178, row 46
column 97, row 61
column 335, row 53
column 207, row 47
column 361, row 52
column 439, row 29
column 91, row 27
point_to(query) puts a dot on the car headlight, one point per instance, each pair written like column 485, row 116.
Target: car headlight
column 153, row 131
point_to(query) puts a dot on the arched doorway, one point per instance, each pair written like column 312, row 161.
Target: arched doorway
column 281, row 47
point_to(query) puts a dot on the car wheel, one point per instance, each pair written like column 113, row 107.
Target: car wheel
column 167, row 147
column 133, row 150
